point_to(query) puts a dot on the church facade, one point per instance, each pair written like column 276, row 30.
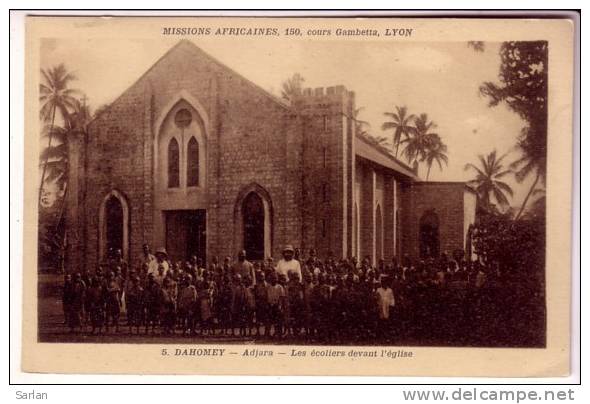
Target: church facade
column 195, row 158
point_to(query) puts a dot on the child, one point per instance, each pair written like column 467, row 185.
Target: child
column 153, row 303
column 168, row 305
column 204, row 296
column 113, row 301
column 295, row 302
column 285, row 308
column 321, row 306
column 187, row 298
column 159, row 277
column 249, row 307
column 95, row 303
column 338, row 304
column 276, row 297
column 386, row 301
column 238, row 305
column 261, row 301
column 134, row 304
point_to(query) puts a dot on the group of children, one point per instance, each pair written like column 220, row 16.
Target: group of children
column 330, row 300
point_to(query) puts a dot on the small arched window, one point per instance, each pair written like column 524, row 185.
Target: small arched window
column 173, row 164
column 192, row 164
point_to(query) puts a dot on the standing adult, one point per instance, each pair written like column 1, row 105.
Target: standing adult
column 162, row 261
column 288, row 263
column 117, row 261
column 243, row 267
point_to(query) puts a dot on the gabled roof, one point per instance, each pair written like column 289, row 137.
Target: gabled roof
column 365, row 149
column 268, row 94
column 196, row 49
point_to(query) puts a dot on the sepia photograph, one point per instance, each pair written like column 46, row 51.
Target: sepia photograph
column 251, row 185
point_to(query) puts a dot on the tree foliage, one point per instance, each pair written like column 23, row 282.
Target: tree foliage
column 416, row 144
column 514, row 245
column 55, row 156
column 50, row 233
column 292, row 87
column 55, row 93
column 523, row 87
column 488, row 180
column 59, row 101
column 436, row 150
column 401, row 123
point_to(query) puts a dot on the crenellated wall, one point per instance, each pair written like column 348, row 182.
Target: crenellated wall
column 328, row 168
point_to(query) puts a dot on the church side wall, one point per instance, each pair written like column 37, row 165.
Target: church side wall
column 115, row 161
column 446, row 201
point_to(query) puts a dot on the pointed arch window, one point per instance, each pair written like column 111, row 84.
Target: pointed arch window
column 173, row 164
column 192, row 164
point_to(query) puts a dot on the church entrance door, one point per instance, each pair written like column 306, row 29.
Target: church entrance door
column 186, row 234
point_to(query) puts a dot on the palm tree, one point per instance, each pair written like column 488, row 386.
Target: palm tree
column 361, row 127
column 292, row 87
column 537, row 207
column 55, row 95
column 417, row 141
column 55, row 156
column 436, row 150
column 487, row 182
column 531, row 162
column 401, row 125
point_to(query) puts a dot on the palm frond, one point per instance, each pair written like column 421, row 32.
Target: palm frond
column 504, row 187
column 500, row 197
column 59, row 152
column 473, row 166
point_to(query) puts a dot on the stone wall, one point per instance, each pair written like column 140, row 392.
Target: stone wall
column 327, row 167
column 445, row 199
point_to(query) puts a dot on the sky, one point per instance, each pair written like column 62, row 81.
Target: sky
column 438, row 78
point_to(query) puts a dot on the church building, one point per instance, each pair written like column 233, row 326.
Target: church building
column 197, row 159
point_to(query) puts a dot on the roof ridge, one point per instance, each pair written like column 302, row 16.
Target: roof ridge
column 215, row 60
column 241, row 76
column 144, row 74
column 383, row 151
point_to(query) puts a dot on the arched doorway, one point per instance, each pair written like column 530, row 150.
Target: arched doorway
column 378, row 234
column 113, row 218
column 253, row 217
column 429, row 235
